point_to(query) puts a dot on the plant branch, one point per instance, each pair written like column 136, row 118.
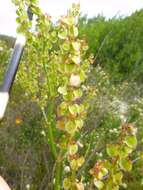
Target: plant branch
column 50, row 130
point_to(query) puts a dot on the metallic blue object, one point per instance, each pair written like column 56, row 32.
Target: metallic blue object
column 12, row 69
column 13, row 66
column 15, row 60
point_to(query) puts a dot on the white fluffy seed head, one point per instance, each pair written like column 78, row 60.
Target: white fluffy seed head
column 21, row 39
column 66, row 169
column 75, row 80
column 4, row 96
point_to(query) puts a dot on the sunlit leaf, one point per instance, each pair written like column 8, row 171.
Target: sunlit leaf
column 99, row 184
column 67, row 183
column 76, row 46
column 74, row 109
column 62, row 90
column 79, row 123
column 77, row 93
column 66, row 46
column 76, row 59
column 117, row 177
column 80, row 161
column 73, row 149
column 63, row 34
column 125, row 164
column 112, row 150
column 70, row 127
column 131, row 141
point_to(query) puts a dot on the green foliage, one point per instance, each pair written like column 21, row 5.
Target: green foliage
column 116, row 44
column 4, row 55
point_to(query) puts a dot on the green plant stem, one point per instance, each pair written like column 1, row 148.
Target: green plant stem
column 50, row 126
column 57, row 185
column 91, row 185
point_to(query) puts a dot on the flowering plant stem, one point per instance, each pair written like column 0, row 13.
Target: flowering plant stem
column 57, row 184
column 50, row 127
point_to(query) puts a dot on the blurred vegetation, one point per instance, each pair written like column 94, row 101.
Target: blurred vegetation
column 117, row 45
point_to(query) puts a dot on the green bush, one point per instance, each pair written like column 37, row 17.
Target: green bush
column 116, row 44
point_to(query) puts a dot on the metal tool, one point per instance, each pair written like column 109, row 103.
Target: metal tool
column 12, row 69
